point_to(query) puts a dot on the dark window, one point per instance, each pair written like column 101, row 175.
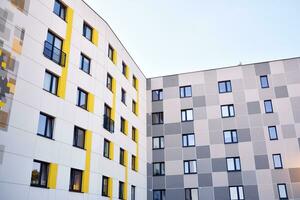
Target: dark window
column 187, row 115
column 159, row 169
column 157, row 95
column 233, row 164
column 134, row 82
column 272, row 133
column 158, row 142
column 111, row 53
column 268, row 106
column 132, row 192
column 134, row 110
column 50, row 82
column 122, row 156
column 85, row 63
column 282, row 191
column 124, row 69
column 53, row 49
column 75, row 180
column 123, row 96
column 59, row 9
column 105, row 182
column 87, row 31
column 121, row 190
column 109, row 81
column 106, row 148
column 82, row 98
column 157, row 118
column 230, row 136
column 264, row 83
column 190, row 166
column 79, row 136
column 46, row 125
column 191, row 194
column 159, row 195
column 133, row 163
column 134, row 134
column 227, row 111
column 122, row 127
column 39, row 174
column 277, row 161
column 108, row 123
column 185, row 91
column 236, row 192
column 225, row 86
column 188, row 140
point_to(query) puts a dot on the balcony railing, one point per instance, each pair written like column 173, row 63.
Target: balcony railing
column 55, row 54
column 108, row 123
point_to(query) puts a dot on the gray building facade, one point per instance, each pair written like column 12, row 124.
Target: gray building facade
column 229, row 133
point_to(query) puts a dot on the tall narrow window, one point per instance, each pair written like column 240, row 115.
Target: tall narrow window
column 158, row 142
column 191, row 194
column 121, row 190
column 79, row 137
column 282, row 191
column 105, row 181
column 39, row 174
column 233, row 164
column 272, row 133
column 157, row 95
column 75, row 180
column 132, row 192
column 106, row 149
column 188, row 140
column 87, row 31
column 236, row 193
column 225, row 86
column 190, row 166
column 157, row 118
column 227, row 111
column 59, row 9
column 122, row 156
column 159, row 195
column 108, row 123
column 159, row 169
column 134, row 82
column 111, row 53
column 230, row 136
column 134, row 110
column 264, row 83
column 123, row 96
column 185, row 91
column 122, row 127
column 85, row 63
column 46, row 125
column 124, row 69
column 187, row 115
column 268, row 106
column 133, row 162
column 82, row 98
column 50, row 82
column 109, row 80
column 134, row 134
column 277, row 161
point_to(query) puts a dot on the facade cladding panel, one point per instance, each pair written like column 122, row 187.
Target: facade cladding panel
column 57, row 144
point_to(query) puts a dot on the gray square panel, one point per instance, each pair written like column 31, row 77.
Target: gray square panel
column 204, row 166
column 2, row 148
column 170, row 81
column 205, row 180
column 174, row 181
column 253, row 107
column 259, row 148
column 249, row 178
column 172, row 194
column 148, row 84
column 221, row 193
column 281, row 92
column 159, row 182
column 244, row 135
column 251, row 192
column 199, row 101
column 288, row 131
column 187, row 127
column 295, row 174
column 262, row 69
column 235, row 178
column 215, row 124
column 219, row 165
column 157, row 106
column 261, row 162
column 158, row 130
column 172, row 128
column 173, row 154
column 206, row 193
column 158, row 155
column 203, row 152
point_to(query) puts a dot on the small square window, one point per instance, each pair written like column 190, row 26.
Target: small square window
column 236, row 193
column 187, row 115
column 190, row 166
column 185, row 91
column 46, row 125
column 277, row 161
column 85, row 63
column 82, row 98
column 159, row 195
column 227, row 111
column 230, row 136
column 157, row 95
column 79, row 137
column 51, row 82
column 59, row 9
column 75, row 180
column 225, row 86
column 191, row 194
column 158, row 142
column 157, row 118
column 233, row 164
column 39, row 174
column 264, row 83
column 87, row 31
column 272, row 133
column 159, row 169
column 188, row 140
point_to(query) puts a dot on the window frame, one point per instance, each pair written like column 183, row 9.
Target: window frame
column 75, row 137
column 188, row 140
column 238, row 192
column 121, row 190
column 124, row 69
column 269, row 132
column 104, row 191
column 133, row 191
column 134, row 134
column 184, row 91
column 79, row 92
column 52, row 77
column 110, row 52
column 161, row 143
column 133, row 162
column 160, row 118
column 261, row 81
column 46, row 164
column 236, row 169
column 228, row 110
column 62, row 6
column 134, row 110
column 162, row 169
column 185, row 113
column 84, row 57
column 285, row 190
column 122, row 125
column 123, row 96
column 231, row 136
column 280, row 161
column 72, row 179
column 84, row 29
column 48, row 117
column 162, row 194
column 160, row 95
column 265, row 105
column 228, row 89
column 122, row 157
column 109, row 84
column 189, row 166
column 190, row 193
column 134, row 82
column 106, row 142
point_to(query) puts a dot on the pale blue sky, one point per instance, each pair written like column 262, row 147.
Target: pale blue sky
column 172, row 36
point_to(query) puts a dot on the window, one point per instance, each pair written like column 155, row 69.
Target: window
column 121, row 190
column 82, row 98
column 236, row 192
column 124, row 69
column 134, row 110
column 108, row 123
column 277, row 161
column 46, row 125
column 272, row 133
column 134, row 134
column 122, row 156
column 158, row 142
column 268, row 106
column 122, row 127
column 185, row 91
column 109, row 81
column 157, row 118
column 39, row 174
column 79, row 136
column 190, row 167
column 75, row 180
column 233, row 164
column 50, row 82
column 87, row 31
column 225, row 86
column 59, row 9
column 134, row 82
column 188, row 140
column 159, row 169
column 111, row 53
column 105, row 181
column 159, row 195
column 132, row 192
column 264, row 83
column 106, row 152
column 85, row 63
column 187, row 115
column 53, row 49
column 133, row 163
column 191, row 194
column 230, row 136
column 123, row 96
column 157, row 95
column 282, row 191
column 227, row 111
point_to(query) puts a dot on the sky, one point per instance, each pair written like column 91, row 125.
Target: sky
column 174, row 36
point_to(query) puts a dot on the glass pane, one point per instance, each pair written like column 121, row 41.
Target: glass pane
column 182, row 92
column 282, row 191
column 155, row 95
column 230, row 164
column 222, row 87
column 49, row 128
column 183, row 115
column 186, row 167
column 227, row 137
column 155, row 143
column 233, row 193
column 277, row 161
column 35, row 174
column 80, row 138
column 264, row 82
column 191, row 139
column 193, row 167
column 156, row 195
column 42, row 124
column 156, row 169
column 44, row 174
column 234, row 136
column 50, row 38
column 162, row 142
column 272, row 132
column 241, row 192
column 47, row 82
column 184, row 140
column 188, row 91
column 228, row 86
column 76, row 181
column 57, row 43
column 224, row 111
column 194, row 194
column 54, row 85
column 163, row 195
column 105, row 186
column 106, row 149
column 268, row 107
column 188, row 194
column 237, row 164
column 56, row 8
column 189, row 114
column 155, row 118
column 88, row 32
column 231, row 110
column 162, row 168
column 161, row 118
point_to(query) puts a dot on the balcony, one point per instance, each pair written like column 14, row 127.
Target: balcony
column 54, row 54
column 108, row 123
